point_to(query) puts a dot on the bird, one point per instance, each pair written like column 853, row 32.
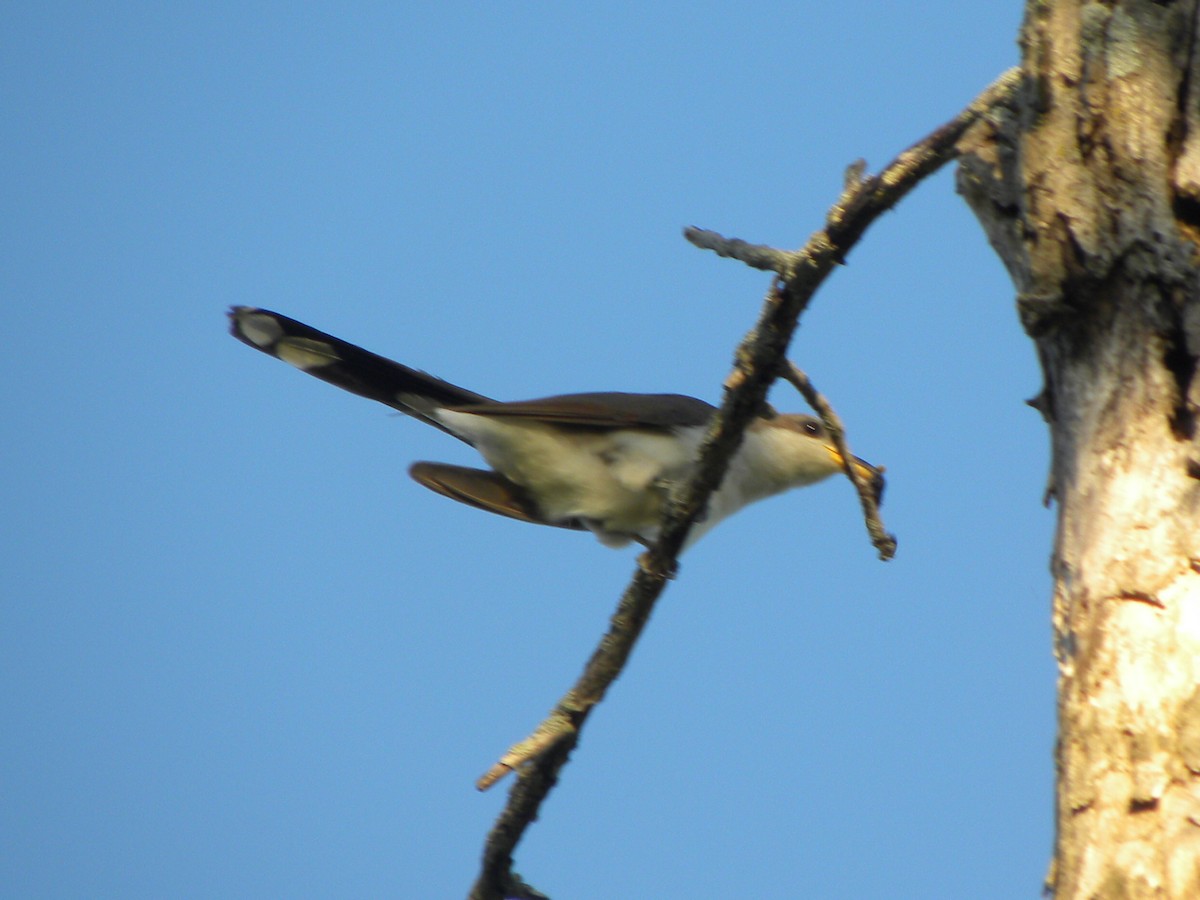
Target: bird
column 600, row 462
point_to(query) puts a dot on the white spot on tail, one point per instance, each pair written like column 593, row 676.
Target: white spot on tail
column 259, row 329
column 305, row 353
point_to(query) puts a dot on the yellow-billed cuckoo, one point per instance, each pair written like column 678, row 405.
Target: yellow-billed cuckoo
column 599, row 462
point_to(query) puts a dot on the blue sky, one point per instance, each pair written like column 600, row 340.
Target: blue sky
column 243, row 655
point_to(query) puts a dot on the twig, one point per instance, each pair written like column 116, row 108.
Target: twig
column 757, row 363
column 757, row 256
column 885, row 543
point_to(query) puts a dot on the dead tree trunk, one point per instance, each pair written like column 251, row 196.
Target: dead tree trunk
column 1089, row 189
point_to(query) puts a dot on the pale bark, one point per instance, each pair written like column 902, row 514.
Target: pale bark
column 1089, row 189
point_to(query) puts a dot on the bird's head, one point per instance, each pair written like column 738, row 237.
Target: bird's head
column 799, row 451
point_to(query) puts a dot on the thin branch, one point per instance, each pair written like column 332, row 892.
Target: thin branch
column 757, row 256
column 885, row 543
column 758, row 362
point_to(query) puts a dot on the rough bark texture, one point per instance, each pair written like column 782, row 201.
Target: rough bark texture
column 1089, row 189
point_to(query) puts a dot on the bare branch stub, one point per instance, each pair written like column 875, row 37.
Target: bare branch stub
column 757, row 256
column 759, row 361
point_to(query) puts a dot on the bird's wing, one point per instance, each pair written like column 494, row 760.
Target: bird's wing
column 489, row 491
column 345, row 365
column 604, row 410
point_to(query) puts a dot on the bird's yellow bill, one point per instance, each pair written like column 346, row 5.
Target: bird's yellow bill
column 872, row 475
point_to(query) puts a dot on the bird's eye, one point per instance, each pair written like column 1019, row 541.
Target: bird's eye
column 812, row 428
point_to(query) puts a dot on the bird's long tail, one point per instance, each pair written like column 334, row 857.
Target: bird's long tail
column 347, row 366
